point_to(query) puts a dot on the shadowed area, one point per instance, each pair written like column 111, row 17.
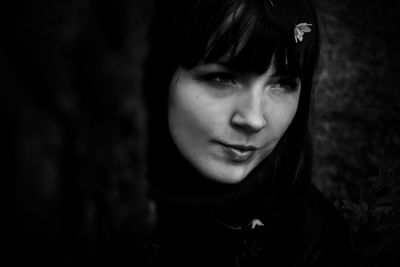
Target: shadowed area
column 357, row 141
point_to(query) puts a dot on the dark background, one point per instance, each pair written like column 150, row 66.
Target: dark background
column 357, row 123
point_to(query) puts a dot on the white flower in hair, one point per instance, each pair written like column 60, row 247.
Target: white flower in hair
column 255, row 222
column 300, row 29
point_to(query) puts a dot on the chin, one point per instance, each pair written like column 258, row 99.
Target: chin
column 229, row 176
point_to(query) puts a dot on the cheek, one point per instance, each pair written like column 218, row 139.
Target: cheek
column 191, row 114
column 194, row 110
column 183, row 120
column 282, row 114
column 186, row 114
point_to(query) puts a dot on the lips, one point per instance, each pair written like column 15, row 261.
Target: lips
column 238, row 153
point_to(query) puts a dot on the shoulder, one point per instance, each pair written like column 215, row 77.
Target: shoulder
column 323, row 234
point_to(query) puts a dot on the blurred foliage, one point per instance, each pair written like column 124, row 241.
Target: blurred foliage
column 375, row 220
column 356, row 123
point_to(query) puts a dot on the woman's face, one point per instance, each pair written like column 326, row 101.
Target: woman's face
column 226, row 122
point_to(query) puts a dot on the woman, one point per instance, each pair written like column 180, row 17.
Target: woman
column 230, row 151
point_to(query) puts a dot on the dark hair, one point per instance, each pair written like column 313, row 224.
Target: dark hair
column 246, row 35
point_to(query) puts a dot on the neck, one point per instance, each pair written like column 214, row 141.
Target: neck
column 176, row 184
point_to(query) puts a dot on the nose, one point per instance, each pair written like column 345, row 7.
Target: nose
column 249, row 114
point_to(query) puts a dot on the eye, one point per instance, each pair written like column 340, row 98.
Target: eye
column 285, row 85
column 220, row 79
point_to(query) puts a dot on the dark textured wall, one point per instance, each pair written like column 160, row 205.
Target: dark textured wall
column 357, row 122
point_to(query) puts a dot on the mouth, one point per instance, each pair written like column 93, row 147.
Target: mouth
column 238, row 153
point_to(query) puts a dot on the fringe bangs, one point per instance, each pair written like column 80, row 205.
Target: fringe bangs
column 246, row 36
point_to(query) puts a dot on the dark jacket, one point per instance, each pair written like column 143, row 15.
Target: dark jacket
column 312, row 234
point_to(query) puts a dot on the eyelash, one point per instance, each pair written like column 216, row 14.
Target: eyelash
column 287, row 85
column 220, row 79
column 225, row 80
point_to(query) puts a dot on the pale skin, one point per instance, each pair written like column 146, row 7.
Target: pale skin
column 225, row 122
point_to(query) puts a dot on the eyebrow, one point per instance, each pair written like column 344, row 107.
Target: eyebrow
column 223, row 66
column 285, row 76
column 212, row 65
column 277, row 77
column 216, row 66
